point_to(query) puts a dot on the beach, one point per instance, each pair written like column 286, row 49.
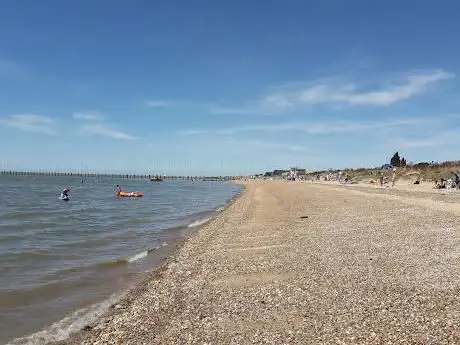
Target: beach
column 304, row 263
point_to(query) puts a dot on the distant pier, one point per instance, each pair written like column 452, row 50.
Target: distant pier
column 117, row 176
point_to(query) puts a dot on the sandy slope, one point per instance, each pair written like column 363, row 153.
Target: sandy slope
column 302, row 263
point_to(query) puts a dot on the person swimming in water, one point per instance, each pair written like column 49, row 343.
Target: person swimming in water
column 65, row 193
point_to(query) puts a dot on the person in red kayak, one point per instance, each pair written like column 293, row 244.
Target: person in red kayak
column 118, row 191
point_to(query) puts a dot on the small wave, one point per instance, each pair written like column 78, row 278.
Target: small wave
column 21, row 215
column 31, row 255
column 130, row 259
column 153, row 249
column 62, row 329
column 9, row 237
column 111, row 263
column 138, row 256
column 199, row 222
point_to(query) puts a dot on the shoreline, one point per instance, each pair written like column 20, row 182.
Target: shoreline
column 126, row 297
column 296, row 263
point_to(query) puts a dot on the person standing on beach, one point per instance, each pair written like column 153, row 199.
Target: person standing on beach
column 381, row 179
column 393, row 177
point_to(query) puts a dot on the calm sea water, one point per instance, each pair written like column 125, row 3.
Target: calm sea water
column 63, row 263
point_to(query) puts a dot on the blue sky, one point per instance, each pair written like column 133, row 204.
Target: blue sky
column 194, row 87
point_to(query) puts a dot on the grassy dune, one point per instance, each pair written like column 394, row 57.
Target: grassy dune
column 421, row 171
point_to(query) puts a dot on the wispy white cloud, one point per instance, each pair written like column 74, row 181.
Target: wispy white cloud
column 157, row 104
column 31, row 123
column 94, row 123
column 100, row 129
column 327, row 127
column 235, row 146
column 88, row 116
column 189, row 132
column 408, row 87
column 241, row 110
column 339, row 92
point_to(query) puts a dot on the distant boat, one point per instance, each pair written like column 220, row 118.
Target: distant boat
column 156, row 179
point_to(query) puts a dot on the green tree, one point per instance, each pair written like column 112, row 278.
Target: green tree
column 395, row 160
column 403, row 162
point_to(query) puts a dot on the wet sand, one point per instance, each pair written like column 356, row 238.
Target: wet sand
column 304, row 263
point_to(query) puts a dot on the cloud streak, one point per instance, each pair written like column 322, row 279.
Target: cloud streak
column 31, row 123
column 94, row 124
column 99, row 129
column 331, row 127
column 336, row 92
column 88, row 116
column 157, row 104
column 233, row 146
column 410, row 86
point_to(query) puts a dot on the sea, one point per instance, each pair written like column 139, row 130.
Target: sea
column 64, row 263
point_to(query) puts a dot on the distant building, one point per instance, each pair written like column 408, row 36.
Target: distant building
column 299, row 171
column 279, row 172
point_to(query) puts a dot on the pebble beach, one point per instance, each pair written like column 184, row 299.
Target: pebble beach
column 303, row 263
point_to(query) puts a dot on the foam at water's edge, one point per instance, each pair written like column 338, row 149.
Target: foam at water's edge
column 199, row 222
column 138, row 256
column 61, row 330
